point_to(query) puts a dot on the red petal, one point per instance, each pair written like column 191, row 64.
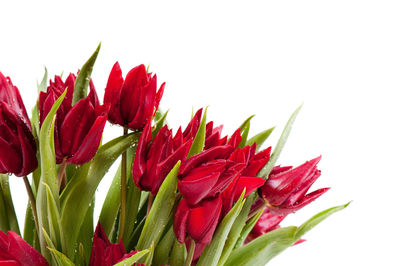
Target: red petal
column 112, row 94
column 203, row 220
column 90, row 143
column 28, row 152
column 197, row 187
column 180, row 219
column 250, row 183
column 139, row 163
column 75, row 127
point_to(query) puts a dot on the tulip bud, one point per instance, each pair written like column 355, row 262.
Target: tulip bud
column 78, row 128
column 285, row 189
column 132, row 101
column 17, row 144
column 105, row 253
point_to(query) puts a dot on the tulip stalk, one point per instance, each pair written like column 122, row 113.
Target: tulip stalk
column 189, row 257
column 123, row 193
column 61, row 175
column 32, row 200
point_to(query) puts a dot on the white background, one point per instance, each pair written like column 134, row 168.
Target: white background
column 341, row 58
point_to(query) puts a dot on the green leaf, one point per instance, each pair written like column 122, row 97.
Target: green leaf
column 247, row 229
column 60, row 258
column 42, row 86
column 111, row 204
column 132, row 259
column 178, row 255
column 54, row 220
column 161, row 254
column 80, row 191
column 236, row 229
column 161, row 121
column 261, row 250
column 160, row 211
column 244, row 130
column 83, row 79
column 48, row 173
column 213, row 251
column 85, row 237
column 200, row 138
column 279, row 146
column 8, row 218
column 316, row 219
column 149, row 257
column 260, row 138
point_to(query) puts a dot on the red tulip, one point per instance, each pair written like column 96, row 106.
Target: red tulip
column 79, row 127
column 17, row 145
column 210, row 182
column 285, row 189
column 15, row 251
column 107, row 254
column 154, row 161
column 134, row 100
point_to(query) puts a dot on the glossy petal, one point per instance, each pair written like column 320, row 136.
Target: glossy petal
column 195, row 188
column 112, row 94
column 203, row 220
column 90, row 143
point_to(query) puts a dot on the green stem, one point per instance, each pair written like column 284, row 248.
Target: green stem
column 189, row 258
column 32, row 200
column 149, row 203
column 123, row 193
column 256, row 210
column 61, row 175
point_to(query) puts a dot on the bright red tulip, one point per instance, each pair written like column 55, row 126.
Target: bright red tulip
column 134, row 100
column 106, row 254
column 198, row 222
column 285, row 189
column 79, row 127
column 15, row 251
column 17, row 145
column 210, row 182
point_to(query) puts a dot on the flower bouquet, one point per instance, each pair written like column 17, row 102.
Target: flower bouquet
column 188, row 197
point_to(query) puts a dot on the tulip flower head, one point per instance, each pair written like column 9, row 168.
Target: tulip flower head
column 210, row 182
column 17, row 144
column 78, row 128
column 15, row 251
column 285, row 189
column 132, row 101
column 107, row 254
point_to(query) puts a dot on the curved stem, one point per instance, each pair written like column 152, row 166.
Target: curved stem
column 189, row 258
column 32, row 200
column 122, row 217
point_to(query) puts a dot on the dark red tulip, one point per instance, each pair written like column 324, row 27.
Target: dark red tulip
column 106, row 254
column 79, row 127
column 154, row 161
column 134, row 100
column 285, row 189
column 15, row 251
column 17, row 144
